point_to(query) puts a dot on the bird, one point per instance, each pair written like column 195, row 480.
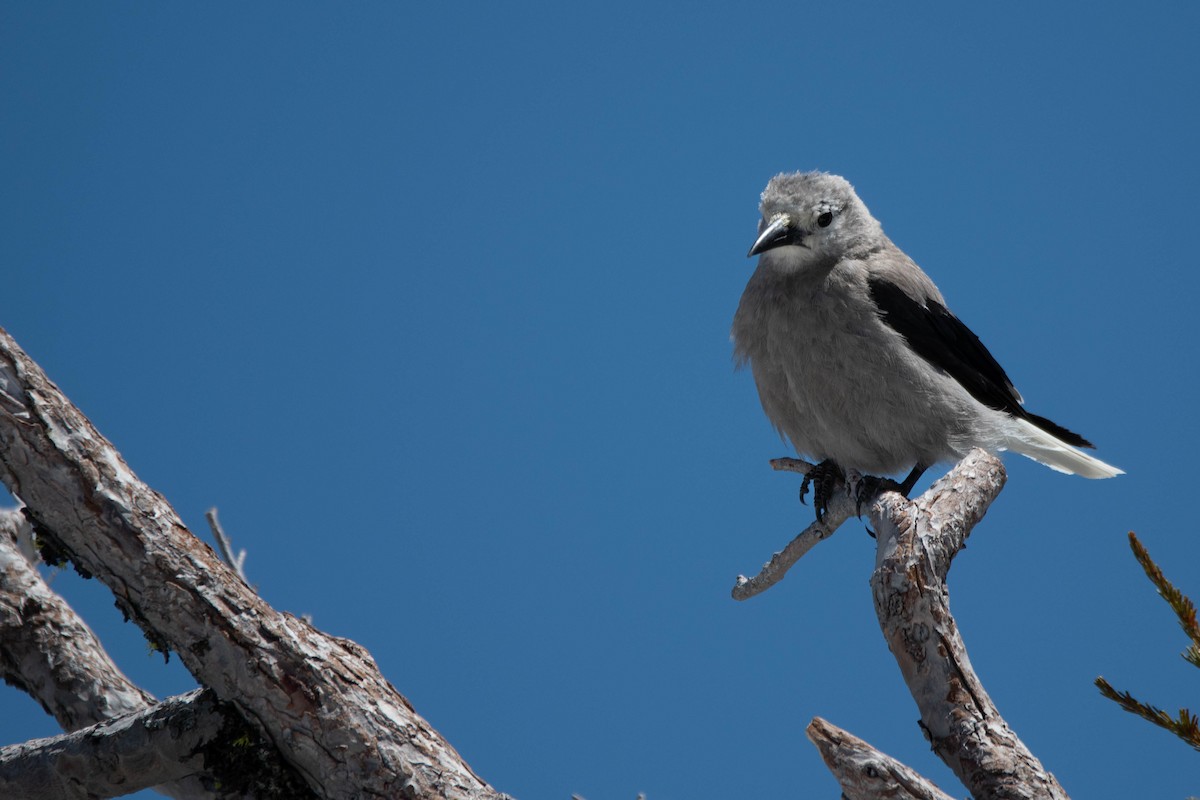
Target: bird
column 859, row 362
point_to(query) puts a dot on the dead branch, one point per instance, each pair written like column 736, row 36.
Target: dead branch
column 319, row 699
column 237, row 563
column 156, row 745
column 916, row 542
column 48, row 651
column 841, row 508
column 866, row 773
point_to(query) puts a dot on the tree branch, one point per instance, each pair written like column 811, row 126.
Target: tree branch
column 321, row 700
column 49, row 652
column 1186, row 726
column 237, row 563
column 840, row 509
column 866, row 773
column 156, row 745
column 917, row 541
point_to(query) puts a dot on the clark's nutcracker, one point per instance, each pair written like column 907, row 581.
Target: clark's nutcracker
column 856, row 357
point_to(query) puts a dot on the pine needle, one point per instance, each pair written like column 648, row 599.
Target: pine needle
column 1185, row 725
column 1184, row 608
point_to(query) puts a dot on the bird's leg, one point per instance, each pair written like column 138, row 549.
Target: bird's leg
column 908, row 483
column 823, row 477
column 867, row 487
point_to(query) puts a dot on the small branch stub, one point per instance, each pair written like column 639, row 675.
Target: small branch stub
column 866, row 773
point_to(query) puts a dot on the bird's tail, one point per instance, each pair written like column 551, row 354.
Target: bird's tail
column 1045, row 448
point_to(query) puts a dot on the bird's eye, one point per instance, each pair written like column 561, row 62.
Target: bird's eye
column 825, row 218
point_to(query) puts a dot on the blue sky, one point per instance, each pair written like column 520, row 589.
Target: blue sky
column 433, row 302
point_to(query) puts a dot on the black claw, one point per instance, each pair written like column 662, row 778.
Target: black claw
column 824, row 478
column 869, row 488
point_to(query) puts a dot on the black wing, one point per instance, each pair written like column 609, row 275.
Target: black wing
column 945, row 342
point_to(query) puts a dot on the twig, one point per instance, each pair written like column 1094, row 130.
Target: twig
column 840, row 509
column 1180, row 603
column 791, row 465
column 238, row 563
column 1186, row 725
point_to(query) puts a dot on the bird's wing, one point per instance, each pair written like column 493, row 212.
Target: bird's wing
column 945, row 342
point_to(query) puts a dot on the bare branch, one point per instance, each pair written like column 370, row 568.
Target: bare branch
column 772, row 572
column 49, row 652
column 917, row 541
column 791, row 465
column 161, row 744
column 321, row 700
column 238, row 562
column 841, row 508
column 866, row 773
column 16, row 527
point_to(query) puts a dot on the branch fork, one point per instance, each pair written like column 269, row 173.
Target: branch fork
column 916, row 543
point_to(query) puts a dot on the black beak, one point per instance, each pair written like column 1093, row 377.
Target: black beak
column 778, row 233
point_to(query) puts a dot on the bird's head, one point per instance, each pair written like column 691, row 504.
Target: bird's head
column 810, row 218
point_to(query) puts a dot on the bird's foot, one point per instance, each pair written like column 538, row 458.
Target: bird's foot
column 824, row 478
column 865, row 488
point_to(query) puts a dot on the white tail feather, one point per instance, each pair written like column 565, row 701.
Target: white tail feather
column 1033, row 442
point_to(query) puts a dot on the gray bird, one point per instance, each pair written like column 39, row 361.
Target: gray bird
column 857, row 360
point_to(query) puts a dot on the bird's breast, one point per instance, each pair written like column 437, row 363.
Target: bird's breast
column 828, row 375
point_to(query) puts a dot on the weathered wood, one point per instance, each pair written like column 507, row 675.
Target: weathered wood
column 156, row 745
column 866, row 773
column 49, row 652
column 321, row 700
column 840, row 509
column 917, row 540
